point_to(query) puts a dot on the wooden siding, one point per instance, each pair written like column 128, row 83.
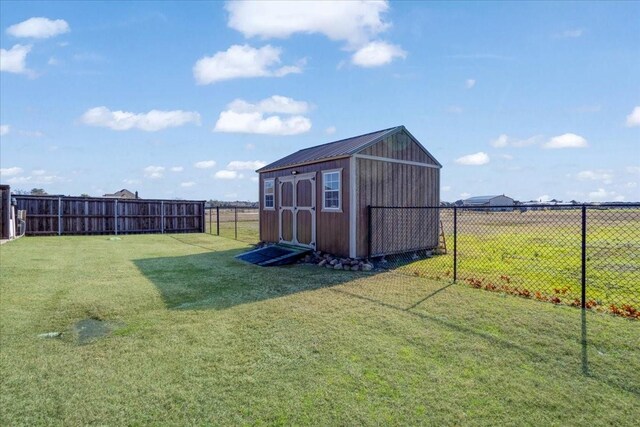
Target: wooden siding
column 399, row 146
column 74, row 215
column 332, row 228
column 381, row 183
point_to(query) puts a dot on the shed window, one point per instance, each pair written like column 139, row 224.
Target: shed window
column 331, row 189
column 269, row 202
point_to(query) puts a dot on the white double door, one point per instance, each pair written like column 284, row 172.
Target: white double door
column 297, row 209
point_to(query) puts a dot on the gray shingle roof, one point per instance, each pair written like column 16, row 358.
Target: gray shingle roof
column 341, row 148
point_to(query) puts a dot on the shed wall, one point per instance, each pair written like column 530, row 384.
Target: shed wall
column 399, row 146
column 332, row 228
column 381, row 183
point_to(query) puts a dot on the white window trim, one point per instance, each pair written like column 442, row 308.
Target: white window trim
column 339, row 208
column 264, row 194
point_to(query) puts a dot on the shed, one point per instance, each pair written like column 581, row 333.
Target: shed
column 318, row 197
column 499, row 202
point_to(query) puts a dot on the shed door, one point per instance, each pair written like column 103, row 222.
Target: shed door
column 297, row 210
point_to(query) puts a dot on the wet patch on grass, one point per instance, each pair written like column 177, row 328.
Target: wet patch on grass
column 89, row 330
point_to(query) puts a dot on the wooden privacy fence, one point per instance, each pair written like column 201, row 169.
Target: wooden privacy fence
column 51, row 215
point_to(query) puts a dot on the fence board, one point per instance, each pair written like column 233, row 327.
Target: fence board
column 92, row 215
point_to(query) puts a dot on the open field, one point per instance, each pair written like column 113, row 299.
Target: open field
column 540, row 251
column 248, row 224
column 200, row 338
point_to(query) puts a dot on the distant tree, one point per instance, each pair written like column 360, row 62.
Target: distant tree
column 38, row 192
column 20, row 192
column 84, row 195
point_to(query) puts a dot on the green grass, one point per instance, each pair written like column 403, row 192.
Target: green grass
column 541, row 251
column 201, row 338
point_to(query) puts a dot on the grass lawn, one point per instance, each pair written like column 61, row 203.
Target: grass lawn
column 200, row 338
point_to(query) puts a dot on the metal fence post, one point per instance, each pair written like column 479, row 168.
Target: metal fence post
column 236, row 221
column 59, row 216
column 210, row 221
column 584, row 257
column 115, row 212
column 455, row 244
column 369, row 230
column 217, row 220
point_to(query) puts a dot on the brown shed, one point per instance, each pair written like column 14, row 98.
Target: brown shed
column 318, row 197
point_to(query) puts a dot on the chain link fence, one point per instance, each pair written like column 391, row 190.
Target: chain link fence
column 586, row 256
column 239, row 223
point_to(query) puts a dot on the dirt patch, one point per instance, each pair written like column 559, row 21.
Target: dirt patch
column 87, row 331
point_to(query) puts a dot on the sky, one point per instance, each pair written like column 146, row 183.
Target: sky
column 185, row 100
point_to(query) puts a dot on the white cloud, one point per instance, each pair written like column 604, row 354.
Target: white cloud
column 255, row 178
column 244, row 117
column 476, row 159
column 446, row 188
column 38, row 172
column 187, row 184
column 129, row 182
column 330, row 130
column 464, row 195
column 633, row 119
column 242, row 61
column 355, row 22
column 250, row 147
column 631, row 184
column 506, row 156
column 504, row 140
column 10, row 171
column 634, row 170
column 39, row 28
column 205, row 164
column 596, row 175
column 152, row 121
column 571, row 34
column 154, row 172
column 601, row 195
column 274, row 104
column 501, row 141
column 177, row 169
column 454, row 109
column 252, row 165
column 35, row 180
column 226, row 174
column 543, row 198
column 377, row 53
column 470, row 83
column 14, row 60
column 567, row 140
column 4, row 129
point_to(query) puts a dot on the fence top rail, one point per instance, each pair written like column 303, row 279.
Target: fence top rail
column 102, row 199
column 233, row 207
column 580, row 206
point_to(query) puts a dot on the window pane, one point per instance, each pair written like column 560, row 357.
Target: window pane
column 332, row 199
column 268, row 201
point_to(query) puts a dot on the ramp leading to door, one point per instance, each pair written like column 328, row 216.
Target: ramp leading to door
column 273, row 255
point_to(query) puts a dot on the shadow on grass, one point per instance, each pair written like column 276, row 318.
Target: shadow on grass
column 216, row 280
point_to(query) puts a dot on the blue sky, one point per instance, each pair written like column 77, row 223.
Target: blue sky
column 183, row 100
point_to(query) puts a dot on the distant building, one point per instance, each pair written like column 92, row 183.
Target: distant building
column 123, row 194
column 501, row 202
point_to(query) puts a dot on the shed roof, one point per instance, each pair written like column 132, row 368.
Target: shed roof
column 342, row 148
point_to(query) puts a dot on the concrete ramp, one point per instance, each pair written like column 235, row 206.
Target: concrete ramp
column 273, row 255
